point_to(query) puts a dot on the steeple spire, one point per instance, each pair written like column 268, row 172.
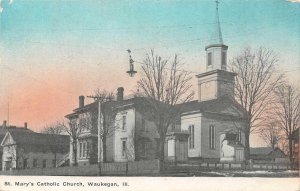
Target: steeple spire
column 217, row 33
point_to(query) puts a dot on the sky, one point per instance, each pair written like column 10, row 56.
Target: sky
column 52, row 51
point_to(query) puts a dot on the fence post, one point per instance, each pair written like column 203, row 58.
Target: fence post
column 126, row 168
column 229, row 166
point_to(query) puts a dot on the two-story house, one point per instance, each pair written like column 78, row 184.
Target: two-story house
column 128, row 133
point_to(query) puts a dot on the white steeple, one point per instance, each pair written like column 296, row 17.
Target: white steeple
column 216, row 82
column 216, row 51
column 216, row 36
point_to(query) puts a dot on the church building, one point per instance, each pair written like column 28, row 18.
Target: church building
column 215, row 121
column 208, row 128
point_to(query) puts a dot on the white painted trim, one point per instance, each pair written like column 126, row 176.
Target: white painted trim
column 125, row 105
column 5, row 137
column 191, row 116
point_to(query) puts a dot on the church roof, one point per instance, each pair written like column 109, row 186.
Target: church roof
column 217, row 106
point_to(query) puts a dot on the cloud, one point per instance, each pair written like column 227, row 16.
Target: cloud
column 294, row 1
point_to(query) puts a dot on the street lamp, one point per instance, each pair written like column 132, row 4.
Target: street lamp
column 131, row 70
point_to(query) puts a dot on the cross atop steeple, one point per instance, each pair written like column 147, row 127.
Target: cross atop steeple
column 217, row 4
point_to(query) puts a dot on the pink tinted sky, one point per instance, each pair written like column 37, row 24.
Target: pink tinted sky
column 53, row 51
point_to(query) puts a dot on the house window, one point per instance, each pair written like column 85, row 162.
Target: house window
column 44, row 163
column 212, row 141
column 143, row 125
column 223, row 58
column 123, row 148
column 54, row 163
column 88, row 124
column 209, row 57
column 84, row 149
column 34, row 163
column 87, row 149
column 173, row 127
column 144, row 146
column 171, row 148
column 80, row 149
column 239, row 136
column 192, row 136
column 124, row 122
column 25, row 165
column 83, row 124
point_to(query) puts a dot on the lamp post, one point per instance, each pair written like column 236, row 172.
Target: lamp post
column 131, row 70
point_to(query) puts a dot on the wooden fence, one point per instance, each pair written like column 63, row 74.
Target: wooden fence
column 148, row 167
column 170, row 167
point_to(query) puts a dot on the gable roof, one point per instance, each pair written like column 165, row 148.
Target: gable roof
column 32, row 141
column 262, row 153
column 260, row 150
column 4, row 130
column 137, row 102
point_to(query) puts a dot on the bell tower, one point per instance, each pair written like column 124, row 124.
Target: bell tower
column 216, row 81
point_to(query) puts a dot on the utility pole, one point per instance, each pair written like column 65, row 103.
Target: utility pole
column 99, row 99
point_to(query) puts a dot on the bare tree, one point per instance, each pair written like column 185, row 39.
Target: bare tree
column 288, row 113
column 104, row 95
column 255, row 82
column 165, row 84
column 74, row 131
column 271, row 134
column 55, row 129
column 130, row 149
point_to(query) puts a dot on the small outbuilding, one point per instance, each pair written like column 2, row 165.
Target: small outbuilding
column 267, row 154
column 22, row 150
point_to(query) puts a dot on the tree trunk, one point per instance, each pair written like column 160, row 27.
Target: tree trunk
column 161, row 154
column 247, row 145
column 75, row 152
column 291, row 152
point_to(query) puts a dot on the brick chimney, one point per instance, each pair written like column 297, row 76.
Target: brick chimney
column 81, row 101
column 25, row 125
column 120, row 94
column 4, row 124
